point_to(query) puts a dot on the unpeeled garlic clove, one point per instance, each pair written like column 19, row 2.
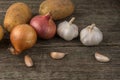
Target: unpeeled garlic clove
column 28, row 61
column 101, row 58
column 57, row 55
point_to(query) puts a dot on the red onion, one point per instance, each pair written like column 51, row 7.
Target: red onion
column 44, row 26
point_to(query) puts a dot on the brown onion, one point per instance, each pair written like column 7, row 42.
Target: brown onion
column 44, row 26
column 1, row 32
column 22, row 37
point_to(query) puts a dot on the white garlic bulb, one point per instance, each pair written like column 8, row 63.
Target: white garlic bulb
column 91, row 35
column 67, row 30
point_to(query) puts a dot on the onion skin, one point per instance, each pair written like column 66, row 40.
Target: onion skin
column 1, row 32
column 44, row 26
column 22, row 37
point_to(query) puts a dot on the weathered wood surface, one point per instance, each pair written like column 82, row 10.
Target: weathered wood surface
column 80, row 63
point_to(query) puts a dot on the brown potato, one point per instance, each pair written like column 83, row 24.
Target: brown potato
column 17, row 13
column 58, row 8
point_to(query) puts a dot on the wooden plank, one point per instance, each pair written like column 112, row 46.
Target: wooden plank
column 79, row 64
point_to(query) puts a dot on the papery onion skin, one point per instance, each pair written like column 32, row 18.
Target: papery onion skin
column 23, row 37
column 44, row 26
column 1, row 32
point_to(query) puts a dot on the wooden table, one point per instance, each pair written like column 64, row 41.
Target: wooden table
column 80, row 64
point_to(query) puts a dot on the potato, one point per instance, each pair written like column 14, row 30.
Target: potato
column 18, row 13
column 58, row 8
column 1, row 32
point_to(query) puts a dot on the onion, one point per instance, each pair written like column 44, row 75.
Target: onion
column 44, row 26
column 22, row 37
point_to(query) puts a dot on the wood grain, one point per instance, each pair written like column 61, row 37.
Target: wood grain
column 80, row 64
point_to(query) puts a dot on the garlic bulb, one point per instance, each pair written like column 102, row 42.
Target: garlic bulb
column 91, row 35
column 67, row 30
column 57, row 55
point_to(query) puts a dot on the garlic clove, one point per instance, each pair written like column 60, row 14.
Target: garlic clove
column 28, row 61
column 101, row 58
column 57, row 55
column 67, row 30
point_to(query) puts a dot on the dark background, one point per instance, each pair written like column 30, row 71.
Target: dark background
column 80, row 63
